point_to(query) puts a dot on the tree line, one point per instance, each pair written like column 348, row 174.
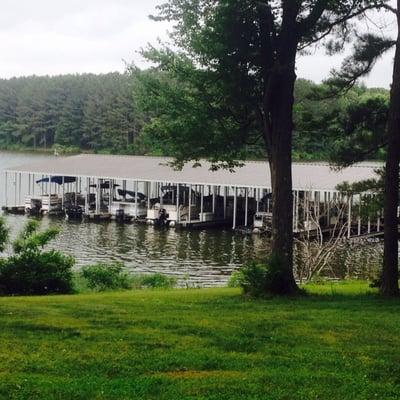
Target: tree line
column 89, row 112
column 101, row 113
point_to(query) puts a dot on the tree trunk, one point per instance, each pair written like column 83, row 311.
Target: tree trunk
column 390, row 273
column 280, row 161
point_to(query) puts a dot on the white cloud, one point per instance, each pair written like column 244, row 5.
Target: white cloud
column 49, row 37
column 53, row 37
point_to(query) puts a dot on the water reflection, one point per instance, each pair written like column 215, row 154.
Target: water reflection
column 204, row 258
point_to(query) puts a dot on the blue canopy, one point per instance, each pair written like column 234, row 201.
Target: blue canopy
column 58, row 179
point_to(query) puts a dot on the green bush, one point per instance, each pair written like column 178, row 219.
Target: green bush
column 4, row 232
column 36, row 273
column 258, row 279
column 157, row 281
column 31, row 270
column 251, row 278
column 106, row 277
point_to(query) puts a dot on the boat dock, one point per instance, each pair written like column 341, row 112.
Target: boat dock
column 150, row 190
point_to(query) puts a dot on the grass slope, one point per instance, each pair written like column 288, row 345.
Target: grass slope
column 201, row 344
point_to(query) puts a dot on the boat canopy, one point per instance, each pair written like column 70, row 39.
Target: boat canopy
column 104, row 185
column 130, row 193
column 58, row 179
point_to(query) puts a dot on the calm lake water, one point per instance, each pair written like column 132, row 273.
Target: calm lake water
column 202, row 258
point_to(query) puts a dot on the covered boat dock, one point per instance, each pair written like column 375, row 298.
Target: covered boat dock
column 148, row 189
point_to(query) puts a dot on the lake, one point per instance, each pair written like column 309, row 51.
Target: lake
column 200, row 258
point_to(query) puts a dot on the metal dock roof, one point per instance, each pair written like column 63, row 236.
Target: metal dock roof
column 306, row 176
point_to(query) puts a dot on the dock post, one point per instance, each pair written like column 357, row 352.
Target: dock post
column 294, row 211
column 234, row 208
column 62, row 193
column 378, row 222
column 213, row 199
column 246, row 206
column 307, row 211
column 349, row 218
column 15, row 189
column 6, row 188
column 178, row 217
column 48, row 212
column 136, row 199
column 98, row 194
column 77, row 182
column 369, row 224
column 202, row 203
column 359, row 216
column 87, row 197
column 225, row 196
column 124, row 189
column 19, row 188
column 190, row 204
column 111, row 194
column 328, row 211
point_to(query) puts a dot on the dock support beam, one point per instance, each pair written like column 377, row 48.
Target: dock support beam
column 258, row 200
column 19, row 188
column 87, row 197
column 234, row 208
column 62, row 193
column 190, row 204
column 225, row 196
column 296, row 211
column 111, row 194
column 246, row 207
column 15, row 190
column 202, row 203
column 136, row 199
column 359, row 216
column 124, row 189
column 213, row 199
column 178, row 216
column 349, row 218
column 48, row 211
column 6, row 188
column 98, row 195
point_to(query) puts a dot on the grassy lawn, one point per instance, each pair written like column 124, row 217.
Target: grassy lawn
column 201, row 344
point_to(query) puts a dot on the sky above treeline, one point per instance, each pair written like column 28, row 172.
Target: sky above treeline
column 51, row 37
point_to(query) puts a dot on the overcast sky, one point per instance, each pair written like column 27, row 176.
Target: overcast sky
column 50, row 37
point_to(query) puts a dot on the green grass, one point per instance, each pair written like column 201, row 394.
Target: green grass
column 201, row 344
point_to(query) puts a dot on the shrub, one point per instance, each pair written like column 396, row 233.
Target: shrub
column 4, row 231
column 258, row 279
column 251, row 278
column 235, row 279
column 157, row 281
column 106, row 277
column 36, row 273
column 31, row 270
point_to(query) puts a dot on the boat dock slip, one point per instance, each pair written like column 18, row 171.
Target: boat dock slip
column 148, row 189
